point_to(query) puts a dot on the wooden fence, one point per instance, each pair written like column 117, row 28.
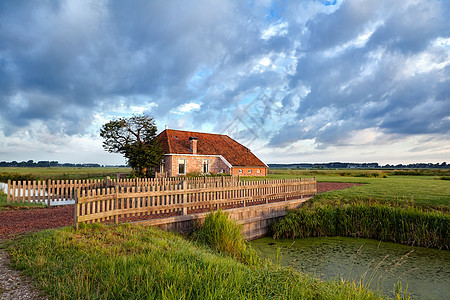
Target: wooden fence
column 63, row 191
column 147, row 202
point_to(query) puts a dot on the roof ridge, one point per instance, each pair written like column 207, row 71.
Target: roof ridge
column 197, row 132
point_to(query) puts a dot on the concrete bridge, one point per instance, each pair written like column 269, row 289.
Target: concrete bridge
column 255, row 220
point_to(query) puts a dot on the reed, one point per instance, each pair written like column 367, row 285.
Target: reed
column 410, row 226
column 225, row 235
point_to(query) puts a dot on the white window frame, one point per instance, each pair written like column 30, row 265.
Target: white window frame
column 249, row 171
column 240, row 170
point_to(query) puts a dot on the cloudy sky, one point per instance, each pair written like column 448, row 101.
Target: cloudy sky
column 296, row 81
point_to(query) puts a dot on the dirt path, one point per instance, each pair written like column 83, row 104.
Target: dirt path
column 323, row 187
column 16, row 221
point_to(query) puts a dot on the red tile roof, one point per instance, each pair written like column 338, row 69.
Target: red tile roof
column 177, row 142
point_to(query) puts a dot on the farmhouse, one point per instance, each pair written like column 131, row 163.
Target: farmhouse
column 205, row 153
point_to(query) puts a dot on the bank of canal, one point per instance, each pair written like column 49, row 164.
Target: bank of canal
column 379, row 265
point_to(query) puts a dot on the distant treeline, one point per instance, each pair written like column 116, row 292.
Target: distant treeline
column 339, row 165
column 47, row 164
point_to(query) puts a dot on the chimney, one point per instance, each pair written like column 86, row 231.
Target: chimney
column 167, row 127
column 193, row 144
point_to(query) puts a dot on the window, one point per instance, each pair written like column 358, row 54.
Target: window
column 205, row 166
column 249, row 171
column 240, row 170
column 181, row 166
column 259, row 171
column 161, row 166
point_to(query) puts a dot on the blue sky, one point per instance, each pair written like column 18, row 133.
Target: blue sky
column 296, row 81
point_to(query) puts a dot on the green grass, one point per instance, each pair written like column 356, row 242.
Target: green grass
column 134, row 262
column 426, row 192
column 56, row 173
column 420, row 191
column 2, row 199
column 358, row 172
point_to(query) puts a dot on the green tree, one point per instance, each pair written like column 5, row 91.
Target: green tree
column 135, row 138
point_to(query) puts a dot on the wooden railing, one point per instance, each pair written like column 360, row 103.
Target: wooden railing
column 144, row 202
column 61, row 191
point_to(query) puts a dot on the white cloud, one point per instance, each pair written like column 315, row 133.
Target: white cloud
column 187, row 108
column 278, row 29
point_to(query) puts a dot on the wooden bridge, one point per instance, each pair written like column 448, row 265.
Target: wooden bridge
column 179, row 204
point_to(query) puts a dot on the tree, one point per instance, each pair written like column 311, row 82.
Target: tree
column 135, row 138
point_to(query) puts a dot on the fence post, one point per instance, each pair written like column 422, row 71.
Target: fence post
column 8, row 187
column 184, row 197
column 315, row 185
column 244, row 192
column 265, row 189
column 301, row 188
column 116, row 207
column 77, row 194
column 48, row 194
column 284, row 189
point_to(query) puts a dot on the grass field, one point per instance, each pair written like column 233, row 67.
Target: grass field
column 58, row 173
column 293, row 173
column 427, row 192
column 136, row 262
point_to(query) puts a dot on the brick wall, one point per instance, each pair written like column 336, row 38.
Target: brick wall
column 216, row 165
column 249, row 171
column 195, row 164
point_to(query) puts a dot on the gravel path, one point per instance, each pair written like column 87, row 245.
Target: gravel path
column 18, row 220
column 13, row 285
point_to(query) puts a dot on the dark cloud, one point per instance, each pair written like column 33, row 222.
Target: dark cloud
column 384, row 82
column 332, row 68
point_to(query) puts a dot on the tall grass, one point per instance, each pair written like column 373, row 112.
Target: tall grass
column 137, row 262
column 410, row 226
column 225, row 235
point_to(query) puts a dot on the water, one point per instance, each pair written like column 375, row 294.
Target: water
column 379, row 265
column 3, row 187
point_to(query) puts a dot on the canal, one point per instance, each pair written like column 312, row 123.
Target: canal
column 378, row 265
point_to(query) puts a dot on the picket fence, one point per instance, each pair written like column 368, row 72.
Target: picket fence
column 150, row 201
column 54, row 192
